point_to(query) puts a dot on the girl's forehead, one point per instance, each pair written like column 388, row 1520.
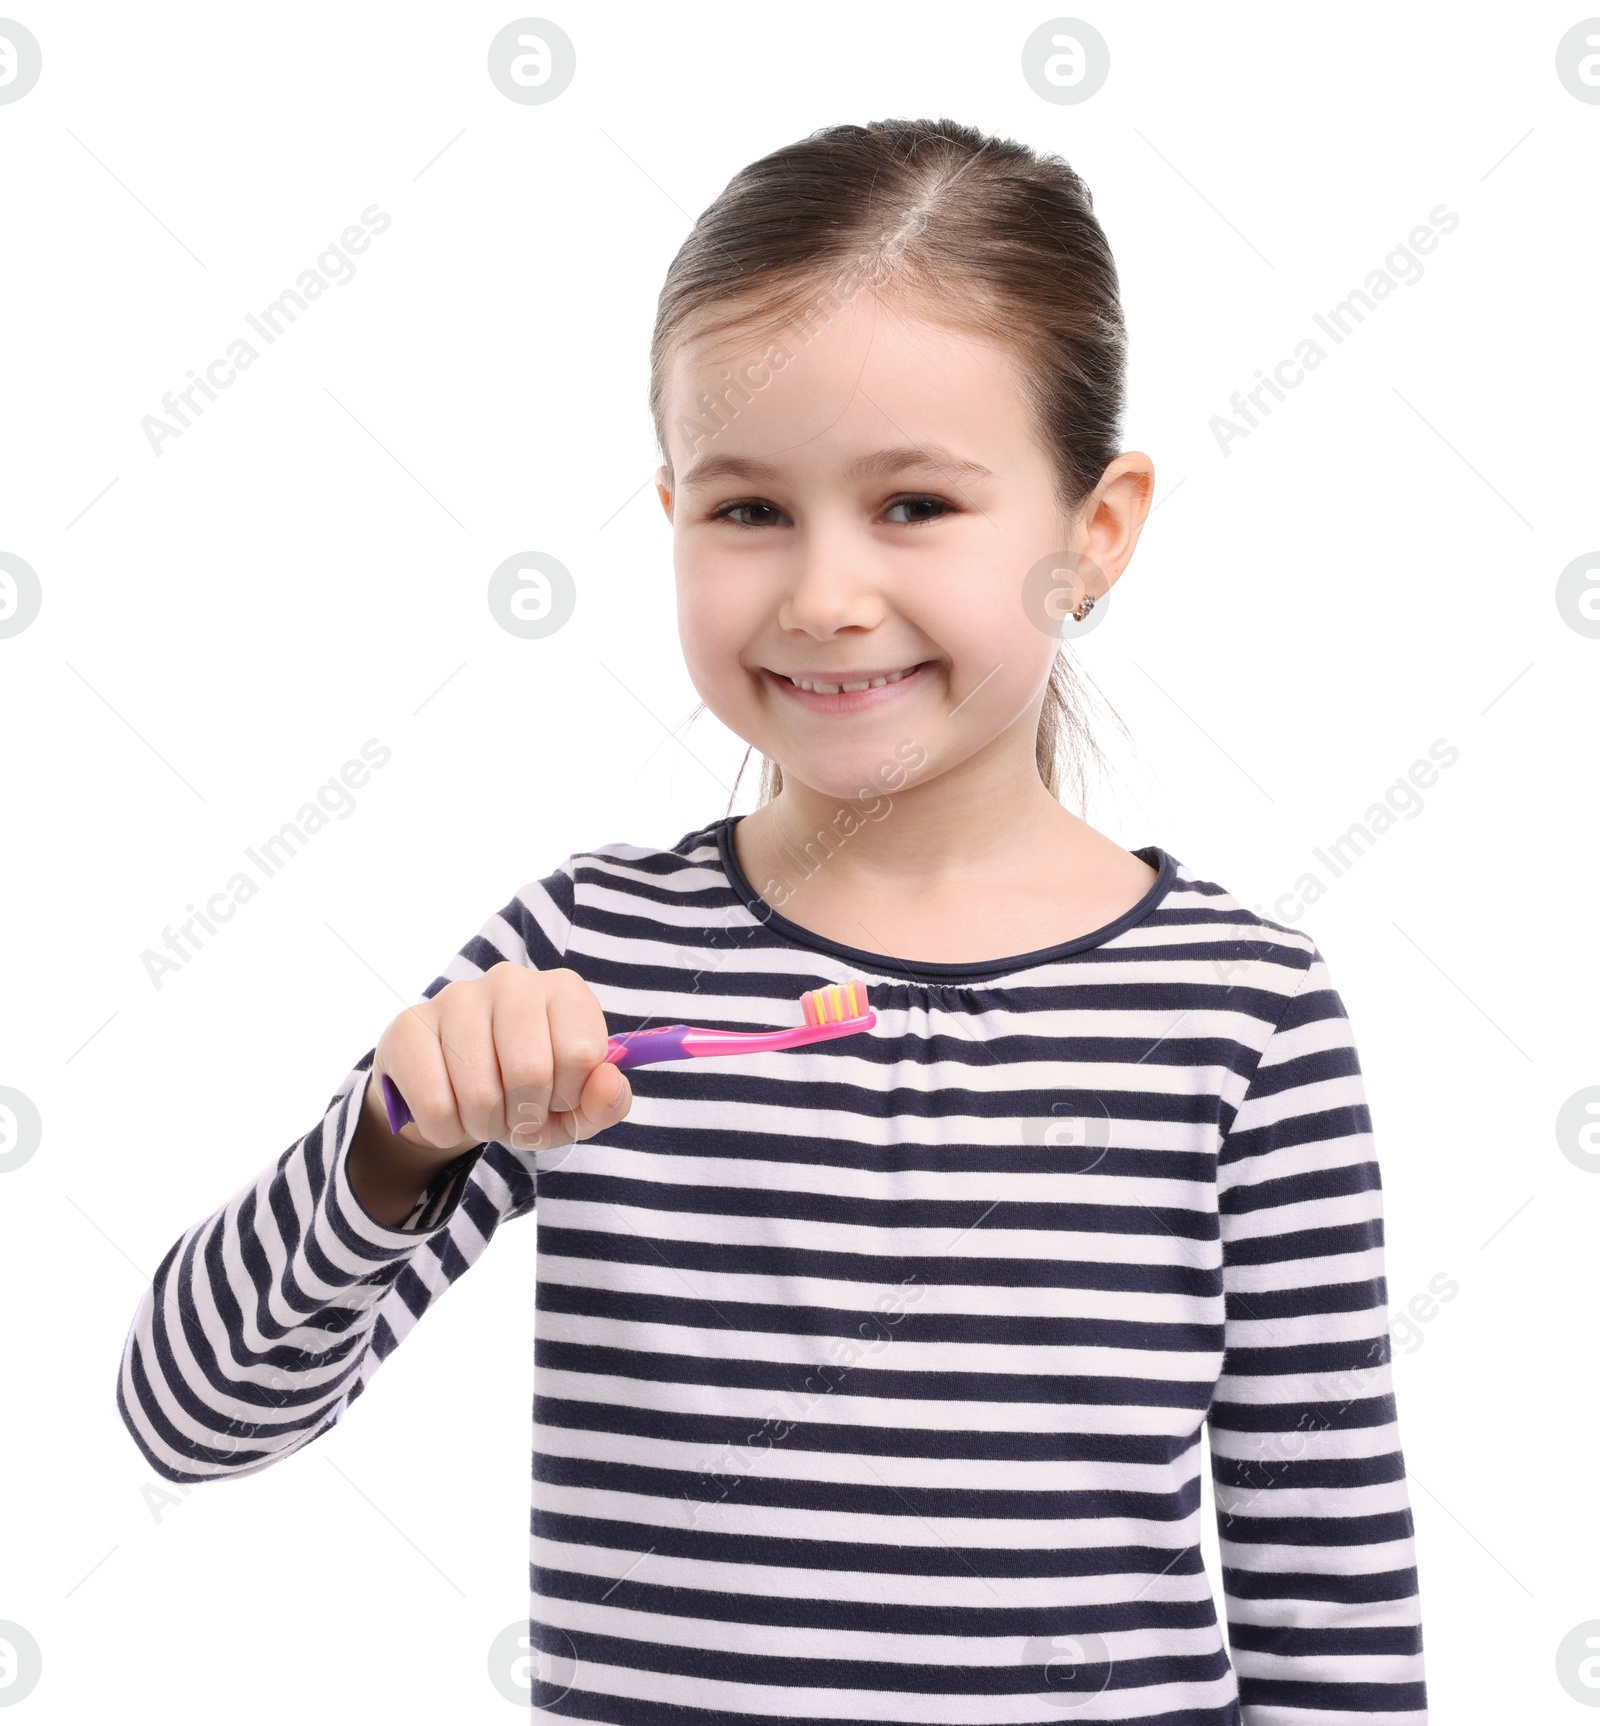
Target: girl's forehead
column 823, row 323
column 885, row 374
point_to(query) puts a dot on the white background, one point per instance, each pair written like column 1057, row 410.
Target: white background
column 1373, row 568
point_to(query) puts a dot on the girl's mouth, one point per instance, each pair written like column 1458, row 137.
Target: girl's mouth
column 846, row 691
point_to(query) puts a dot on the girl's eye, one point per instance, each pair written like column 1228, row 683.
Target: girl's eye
column 728, row 512
column 919, row 505
column 916, row 504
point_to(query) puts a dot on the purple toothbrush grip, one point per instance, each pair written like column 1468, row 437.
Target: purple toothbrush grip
column 395, row 1104
column 665, row 1043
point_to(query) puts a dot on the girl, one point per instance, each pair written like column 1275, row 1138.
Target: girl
column 871, row 1374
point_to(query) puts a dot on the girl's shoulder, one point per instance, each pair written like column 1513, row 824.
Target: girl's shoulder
column 605, row 871
column 1272, row 962
column 622, row 860
column 1200, row 898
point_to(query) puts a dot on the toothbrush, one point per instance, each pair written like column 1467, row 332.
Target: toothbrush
column 835, row 1010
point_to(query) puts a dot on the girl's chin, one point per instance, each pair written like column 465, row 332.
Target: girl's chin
column 854, row 776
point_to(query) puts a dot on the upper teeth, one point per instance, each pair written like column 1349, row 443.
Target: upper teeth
column 851, row 688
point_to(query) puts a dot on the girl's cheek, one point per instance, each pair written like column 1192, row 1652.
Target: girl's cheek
column 713, row 641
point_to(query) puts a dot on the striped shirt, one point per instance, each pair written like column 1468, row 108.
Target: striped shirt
column 870, row 1377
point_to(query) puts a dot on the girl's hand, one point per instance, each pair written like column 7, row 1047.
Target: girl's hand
column 516, row 1056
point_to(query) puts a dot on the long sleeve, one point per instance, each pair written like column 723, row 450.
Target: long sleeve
column 1314, row 1520
column 267, row 1319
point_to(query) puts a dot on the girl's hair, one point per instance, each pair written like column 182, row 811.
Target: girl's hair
column 985, row 232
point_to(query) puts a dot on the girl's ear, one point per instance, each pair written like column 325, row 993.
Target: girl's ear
column 664, row 490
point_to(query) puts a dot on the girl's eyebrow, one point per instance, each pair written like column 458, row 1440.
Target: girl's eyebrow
column 880, row 464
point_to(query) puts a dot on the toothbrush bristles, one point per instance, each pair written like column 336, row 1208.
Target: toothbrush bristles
column 835, row 1002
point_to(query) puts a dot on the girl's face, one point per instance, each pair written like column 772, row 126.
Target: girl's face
column 860, row 507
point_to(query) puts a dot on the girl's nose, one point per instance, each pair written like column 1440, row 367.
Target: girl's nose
column 833, row 584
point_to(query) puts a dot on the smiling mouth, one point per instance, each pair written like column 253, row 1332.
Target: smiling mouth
column 846, row 683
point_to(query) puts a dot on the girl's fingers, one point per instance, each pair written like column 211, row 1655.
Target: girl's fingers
column 411, row 1053
column 515, row 1057
column 577, row 1039
column 466, row 1042
column 521, row 1029
column 605, row 1099
column 589, row 1093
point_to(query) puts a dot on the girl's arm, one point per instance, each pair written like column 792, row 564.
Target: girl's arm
column 267, row 1319
column 1319, row 1564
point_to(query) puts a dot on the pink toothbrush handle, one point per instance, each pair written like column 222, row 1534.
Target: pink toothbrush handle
column 795, row 1037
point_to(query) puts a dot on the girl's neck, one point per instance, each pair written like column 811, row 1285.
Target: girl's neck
column 979, row 863
column 956, row 827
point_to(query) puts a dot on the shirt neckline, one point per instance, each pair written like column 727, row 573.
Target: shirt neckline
column 933, row 970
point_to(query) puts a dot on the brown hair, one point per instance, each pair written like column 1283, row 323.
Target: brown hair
column 1002, row 239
